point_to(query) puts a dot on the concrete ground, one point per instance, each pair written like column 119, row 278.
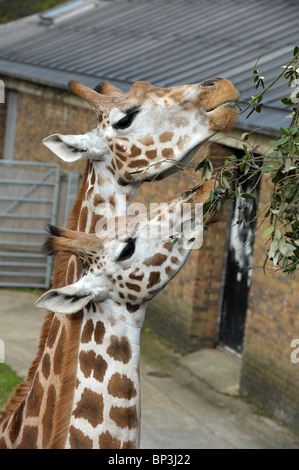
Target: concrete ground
column 188, row 402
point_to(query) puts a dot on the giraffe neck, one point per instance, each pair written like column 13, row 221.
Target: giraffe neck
column 106, row 405
column 104, row 195
column 99, row 189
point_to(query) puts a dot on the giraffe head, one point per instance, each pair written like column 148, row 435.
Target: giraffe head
column 132, row 267
column 149, row 131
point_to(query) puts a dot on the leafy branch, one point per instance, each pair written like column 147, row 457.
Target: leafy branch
column 280, row 165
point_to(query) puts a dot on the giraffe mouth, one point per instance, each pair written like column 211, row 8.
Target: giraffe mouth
column 230, row 105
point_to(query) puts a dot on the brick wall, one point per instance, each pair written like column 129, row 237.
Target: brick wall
column 268, row 376
column 40, row 116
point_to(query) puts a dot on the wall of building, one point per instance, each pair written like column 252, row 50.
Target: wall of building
column 42, row 111
column 268, row 376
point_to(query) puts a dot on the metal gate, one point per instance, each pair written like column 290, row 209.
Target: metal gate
column 28, row 202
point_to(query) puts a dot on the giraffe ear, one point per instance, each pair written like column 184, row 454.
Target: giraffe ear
column 70, row 299
column 71, row 148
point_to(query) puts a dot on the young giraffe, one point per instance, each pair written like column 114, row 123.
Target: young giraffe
column 119, row 276
column 146, row 125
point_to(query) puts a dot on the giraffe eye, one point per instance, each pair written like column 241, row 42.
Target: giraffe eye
column 128, row 250
column 126, row 121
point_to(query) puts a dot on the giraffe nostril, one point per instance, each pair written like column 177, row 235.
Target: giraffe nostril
column 211, row 82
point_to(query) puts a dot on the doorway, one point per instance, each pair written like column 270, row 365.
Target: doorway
column 237, row 278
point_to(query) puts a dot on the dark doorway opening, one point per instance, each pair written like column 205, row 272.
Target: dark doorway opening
column 237, row 270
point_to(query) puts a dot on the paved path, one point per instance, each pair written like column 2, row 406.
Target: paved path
column 187, row 403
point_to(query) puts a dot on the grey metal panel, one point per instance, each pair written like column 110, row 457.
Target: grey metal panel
column 22, row 226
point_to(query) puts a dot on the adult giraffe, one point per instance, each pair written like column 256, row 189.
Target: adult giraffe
column 138, row 136
column 120, row 275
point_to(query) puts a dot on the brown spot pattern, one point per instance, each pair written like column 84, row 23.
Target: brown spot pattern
column 155, row 260
column 53, row 332
column 151, row 154
column 87, row 332
column 29, row 439
column 83, row 219
column 135, row 151
column 48, row 416
column 168, row 153
column 98, row 200
column 131, row 307
column 70, row 273
column 138, row 163
column 89, row 362
column 133, row 287
column 129, row 445
column 136, row 277
column 99, row 332
column 106, row 441
column 46, row 365
column 124, row 417
column 35, row 398
column 166, row 137
column 154, row 278
column 78, row 440
column 169, row 271
column 16, row 423
column 120, row 386
column 90, row 407
column 120, row 349
column 168, row 246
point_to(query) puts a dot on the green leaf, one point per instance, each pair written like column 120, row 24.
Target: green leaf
column 286, row 101
column 200, row 165
column 245, row 136
column 291, row 267
column 225, row 182
column 283, row 141
column 277, row 234
column 285, row 130
column 268, row 231
column 273, row 143
column 219, row 205
column 266, row 169
column 287, row 164
column 295, row 51
column 247, row 196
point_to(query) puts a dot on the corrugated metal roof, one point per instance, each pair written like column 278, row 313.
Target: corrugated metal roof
column 165, row 42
